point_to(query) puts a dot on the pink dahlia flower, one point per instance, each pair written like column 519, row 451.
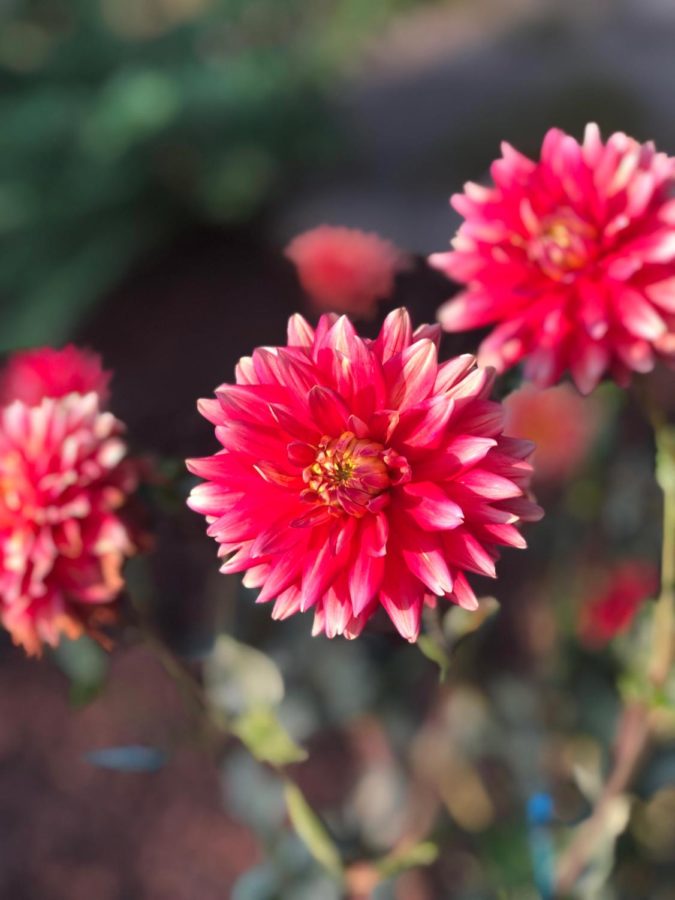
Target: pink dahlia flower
column 356, row 474
column 612, row 608
column 31, row 375
column 573, row 256
column 345, row 270
column 63, row 481
column 562, row 425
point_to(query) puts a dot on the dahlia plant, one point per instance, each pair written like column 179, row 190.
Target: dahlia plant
column 345, row 270
column 562, row 424
column 65, row 478
column 32, row 375
column 358, row 474
column 363, row 477
column 573, row 256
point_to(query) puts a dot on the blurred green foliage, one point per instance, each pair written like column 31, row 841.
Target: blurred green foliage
column 311, row 831
column 85, row 665
column 244, row 688
column 124, row 120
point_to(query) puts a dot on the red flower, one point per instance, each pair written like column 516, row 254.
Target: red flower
column 611, row 610
column 33, row 374
column 63, row 482
column 573, row 256
column 561, row 424
column 345, row 270
column 356, row 474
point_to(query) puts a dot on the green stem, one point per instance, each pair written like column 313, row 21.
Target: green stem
column 664, row 612
column 186, row 683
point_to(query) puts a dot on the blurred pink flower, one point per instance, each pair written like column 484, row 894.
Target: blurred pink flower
column 63, row 481
column 31, row 375
column 562, row 425
column 345, row 270
column 612, row 608
column 356, row 474
column 573, row 256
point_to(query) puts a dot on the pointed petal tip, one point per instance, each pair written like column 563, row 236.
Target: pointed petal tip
column 465, row 600
column 588, row 375
column 536, row 513
column 408, row 630
column 204, row 403
column 438, row 260
column 432, row 332
column 395, row 334
column 490, row 359
column 397, row 318
column 451, row 315
column 299, row 332
column 404, row 614
column 317, row 627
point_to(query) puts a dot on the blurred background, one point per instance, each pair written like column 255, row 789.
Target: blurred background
column 155, row 158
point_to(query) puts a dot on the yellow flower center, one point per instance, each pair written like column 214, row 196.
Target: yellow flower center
column 564, row 245
column 347, row 474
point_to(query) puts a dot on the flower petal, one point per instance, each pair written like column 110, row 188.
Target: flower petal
column 410, row 375
column 430, row 507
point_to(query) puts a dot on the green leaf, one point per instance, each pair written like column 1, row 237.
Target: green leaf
column 239, row 678
column 237, row 183
column 435, row 652
column 459, row 622
column 311, row 831
column 267, row 739
column 85, row 664
column 133, row 106
column 665, row 458
column 423, row 854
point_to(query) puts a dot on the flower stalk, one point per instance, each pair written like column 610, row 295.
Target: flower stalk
column 664, row 613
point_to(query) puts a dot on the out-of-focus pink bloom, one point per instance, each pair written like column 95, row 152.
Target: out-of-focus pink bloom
column 356, row 474
column 31, row 375
column 612, row 608
column 561, row 424
column 64, row 479
column 573, row 256
column 345, row 270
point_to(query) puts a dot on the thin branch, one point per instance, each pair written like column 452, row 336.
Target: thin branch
column 631, row 742
column 664, row 613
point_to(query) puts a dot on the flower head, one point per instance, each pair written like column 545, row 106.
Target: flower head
column 356, row 474
column 63, row 481
column 562, row 425
column 31, row 375
column 345, row 270
column 573, row 256
column 612, row 608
